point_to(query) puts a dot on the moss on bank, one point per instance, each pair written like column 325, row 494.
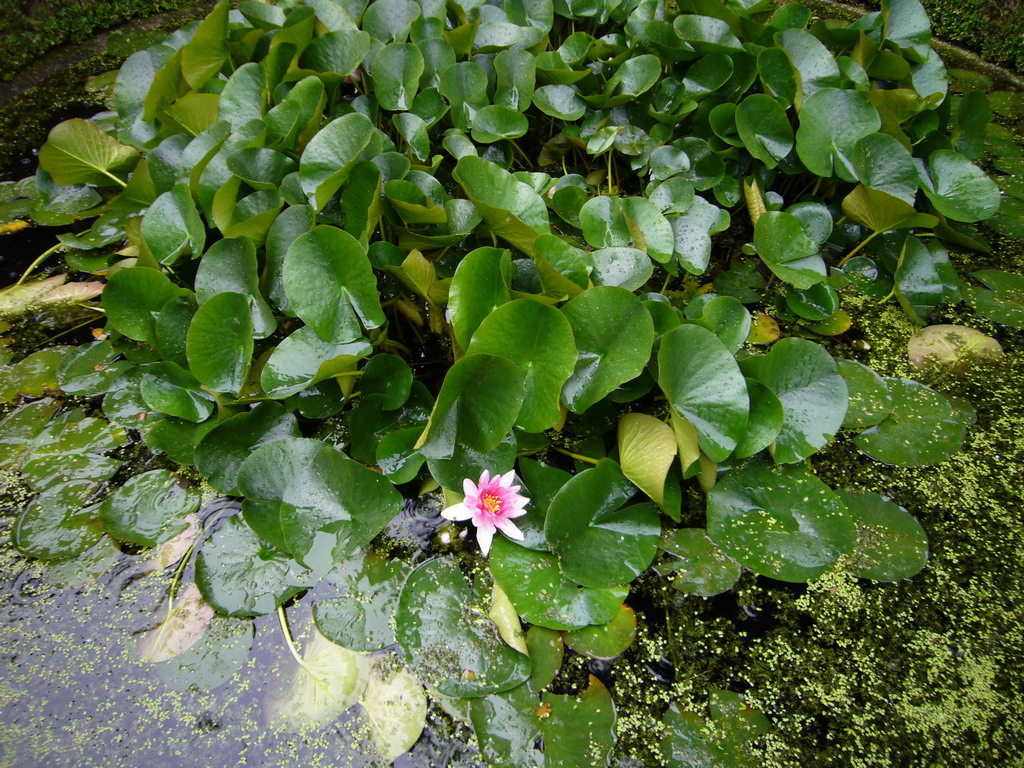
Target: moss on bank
column 31, row 28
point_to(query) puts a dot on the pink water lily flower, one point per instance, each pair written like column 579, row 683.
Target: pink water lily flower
column 490, row 503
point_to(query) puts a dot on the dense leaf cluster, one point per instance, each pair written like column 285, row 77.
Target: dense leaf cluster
column 471, row 232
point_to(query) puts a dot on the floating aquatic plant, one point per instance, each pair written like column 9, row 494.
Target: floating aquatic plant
column 347, row 248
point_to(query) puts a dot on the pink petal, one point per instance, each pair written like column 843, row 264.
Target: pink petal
column 515, row 512
column 509, row 529
column 457, row 512
column 485, row 478
column 506, row 479
column 468, row 488
column 484, row 535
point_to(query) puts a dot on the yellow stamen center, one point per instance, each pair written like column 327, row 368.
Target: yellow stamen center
column 492, row 503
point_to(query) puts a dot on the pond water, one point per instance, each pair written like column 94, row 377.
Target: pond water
column 75, row 693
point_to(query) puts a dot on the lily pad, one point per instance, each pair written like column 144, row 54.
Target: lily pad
column 891, row 544
column 922, row 427
column 814, row 396
column 869, row 395
column 448, row 640
column 954, row 347
column 700, row 566
column 148, row 509
column 605, row 641
column 363, row 619
column 600, row 543
column 542, row 595
column 57, row 523
column 785, row 524
column 396, row 705
column 241, row 575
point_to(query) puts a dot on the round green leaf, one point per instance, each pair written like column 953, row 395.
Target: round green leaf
column 363, row 619
column 561, row 101
column 90, row 369
column 869, row 395
column 219, row 342
column 219, row 455
column 77, row 152
column 701, row 568
column 764, row 128
column 542, row 595
column 787, row 250
column 693, row 230
column 579, row 725
column 330, row 155
column 538, row 339
column 1004, row 303
column 891, row 544
column 477, row 406
column 614, row 335
column 54, row 524
column 331, row 285
column 396, row 72
column 149, row 509
column 170, row 389
column 958, row 188
column 600, row 544
column 448, row 641
column 780, row 523
column 703, row 383
column 337, row 52
column 304, row 359
column 881, row 162
column 605, row 641
column 814, row 396
column 171, row 226
column 240, row 575
column 922, row 427
column 132, row 296
column 326, row 505
column 832, row 121
column 706, row 34
column 765, row 420
column 494, row 123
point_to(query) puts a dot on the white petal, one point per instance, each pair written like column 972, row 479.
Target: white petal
column 468, row 488
column 515, row 512
column 484, row 534
column 457, row 512
column 506, row 479
column 509, row 529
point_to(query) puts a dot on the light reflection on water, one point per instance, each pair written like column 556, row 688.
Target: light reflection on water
column 72, row 692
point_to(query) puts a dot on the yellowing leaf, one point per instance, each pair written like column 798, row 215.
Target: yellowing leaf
column 329, row 680
column 647, row 447
column 505, row 618
column 396, row 705
column 184, row 626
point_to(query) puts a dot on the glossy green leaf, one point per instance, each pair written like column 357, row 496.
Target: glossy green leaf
column 303, row 359
column 869, row 395
column 693, row 230
column 583, row 725
column 958, row 188
column 219, row 342
column 785, row 524
column 764, row 128
column 543, row 595
column 396, row 72
column 363, row 620
column 814, row 67
column 700, row 567
column 1004, row 303
column 703, row 383
column 149, row 509
column 922, row 427
column 329, row 156
column 477, row 406
column 539, row 340
column 449, row 645
column 891, row 544
column 600, row 543
column 337, row 52
column 77, row 152
column 814, row 396
column 614, row 335
column 219, row 455
column 784, row 246
column 204, row 55
column 172, row 227
column 57, row 524
column 326, row 505
column 832, row 121
column 170, row 389
column 511, row 209
column 605, row 641
column 495, row 123
column 331, row 285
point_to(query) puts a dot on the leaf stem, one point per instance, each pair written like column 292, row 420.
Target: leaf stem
column 288, row 638
column 577, row 456
column 862, row 243
column 38, row 261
